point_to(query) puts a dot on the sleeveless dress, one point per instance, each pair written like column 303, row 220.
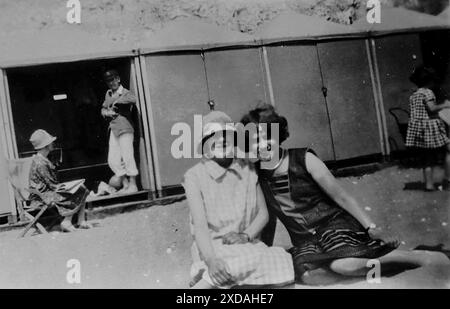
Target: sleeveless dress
column 320, row 230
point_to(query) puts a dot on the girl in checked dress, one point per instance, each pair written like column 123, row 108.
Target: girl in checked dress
column 426, row 131
column 228, row 212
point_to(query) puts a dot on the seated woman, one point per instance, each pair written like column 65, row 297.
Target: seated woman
column 228, row 213
column 43, row 179
column 330, row 232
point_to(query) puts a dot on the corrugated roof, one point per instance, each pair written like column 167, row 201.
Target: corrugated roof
column 59, row 45
column 289, row 26
column 192, row 34
column 394, row 20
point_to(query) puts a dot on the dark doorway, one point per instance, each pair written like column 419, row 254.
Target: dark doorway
column 65, row 99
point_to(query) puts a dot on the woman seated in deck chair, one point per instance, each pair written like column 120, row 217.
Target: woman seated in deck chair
column 44, row 180
column 331, row 235
column 228, row 213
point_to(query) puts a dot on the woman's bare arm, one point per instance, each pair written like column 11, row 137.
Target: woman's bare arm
column 217, row 268
column 201, row 231
column 261, row 219
column 330, row 185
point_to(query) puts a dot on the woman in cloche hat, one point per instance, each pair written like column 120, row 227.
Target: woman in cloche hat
column 228, row 213
column 43, row 178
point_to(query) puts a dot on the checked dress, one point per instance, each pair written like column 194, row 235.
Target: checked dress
column 425, row 130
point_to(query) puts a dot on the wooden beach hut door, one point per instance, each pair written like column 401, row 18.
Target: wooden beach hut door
column 397, row 56
column 350, row 99
column 179, row 87
column 297, row 90
column 176, row 91
column 7, row 201
column 235, row 80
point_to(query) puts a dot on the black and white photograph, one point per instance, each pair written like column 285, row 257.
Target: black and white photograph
column 224, row 145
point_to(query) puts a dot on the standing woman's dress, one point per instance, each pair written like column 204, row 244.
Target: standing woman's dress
column 229, row 201
column 425, row 130
column 43, row 178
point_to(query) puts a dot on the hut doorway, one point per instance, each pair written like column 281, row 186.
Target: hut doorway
column 65, row 99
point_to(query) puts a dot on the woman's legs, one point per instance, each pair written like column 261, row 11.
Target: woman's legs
column 115, row 156
column 127, row 154
column 81, row 214
column 66, row 224
column 400, row 258
column 321, row 276
column 428, row 178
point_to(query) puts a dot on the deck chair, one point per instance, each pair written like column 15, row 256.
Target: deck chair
column 18, row 176
column 401, row 117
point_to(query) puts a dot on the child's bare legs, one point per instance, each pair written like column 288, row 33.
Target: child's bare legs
column 428, row 177
column 410, row 259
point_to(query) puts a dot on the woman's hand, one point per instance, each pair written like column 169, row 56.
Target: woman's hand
column 108, row 113
column 388, row 239
column 235, row 238
column 219, row 272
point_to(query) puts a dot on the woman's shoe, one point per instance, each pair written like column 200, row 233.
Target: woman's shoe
column 85, row 225
column 67, row 228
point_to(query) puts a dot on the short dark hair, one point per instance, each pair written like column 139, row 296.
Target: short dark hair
column 265, row 113
column 110, row 74
column 423, row 76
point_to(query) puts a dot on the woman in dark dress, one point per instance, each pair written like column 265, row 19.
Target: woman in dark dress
column 328, row 229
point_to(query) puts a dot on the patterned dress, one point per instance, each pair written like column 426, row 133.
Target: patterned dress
column 229, row 200
column 320, row 230
column 424, row 129
column 44, row 180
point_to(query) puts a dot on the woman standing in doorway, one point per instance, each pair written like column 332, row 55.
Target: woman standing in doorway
column 118, row 107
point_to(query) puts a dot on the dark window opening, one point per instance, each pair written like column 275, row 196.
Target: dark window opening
column 65, row 99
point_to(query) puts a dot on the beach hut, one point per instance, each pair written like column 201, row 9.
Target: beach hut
column 321, row 80
column 186, row 64
column 52, row 79
column 397, row 48
column 445, row 14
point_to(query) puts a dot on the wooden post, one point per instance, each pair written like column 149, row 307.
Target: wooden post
column 151, row 123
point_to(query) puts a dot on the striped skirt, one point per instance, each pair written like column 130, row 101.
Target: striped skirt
column 341, row 237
